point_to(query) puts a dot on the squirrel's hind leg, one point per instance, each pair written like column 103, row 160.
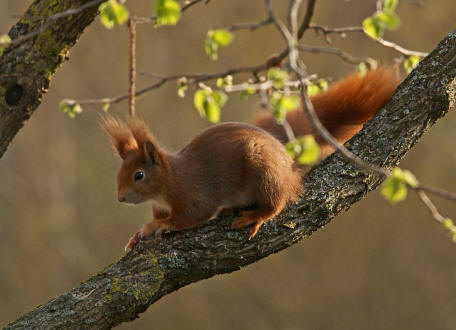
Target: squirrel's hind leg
column 256, row 218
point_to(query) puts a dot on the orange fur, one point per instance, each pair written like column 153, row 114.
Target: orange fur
column 120, row 135
column 229, row 165
column 342, row 109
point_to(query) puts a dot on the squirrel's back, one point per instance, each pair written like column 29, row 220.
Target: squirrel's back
column 241, row 151
column 342, row 109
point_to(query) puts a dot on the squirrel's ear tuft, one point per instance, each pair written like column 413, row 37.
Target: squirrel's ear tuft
column 120, row 135
column 149, row 150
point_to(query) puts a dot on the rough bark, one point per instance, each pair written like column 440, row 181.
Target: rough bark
column 157, row 267
column 27, row 68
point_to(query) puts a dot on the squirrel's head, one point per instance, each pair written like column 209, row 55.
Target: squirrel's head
column 143, row 170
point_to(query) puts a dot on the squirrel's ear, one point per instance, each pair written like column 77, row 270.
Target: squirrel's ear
column 119, row 134
column 151, row 153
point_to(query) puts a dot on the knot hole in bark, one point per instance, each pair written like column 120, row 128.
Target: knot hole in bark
column 14, row 94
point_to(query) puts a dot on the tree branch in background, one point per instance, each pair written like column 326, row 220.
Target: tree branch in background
column 26, row 71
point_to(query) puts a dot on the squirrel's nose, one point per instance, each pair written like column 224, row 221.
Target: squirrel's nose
column 122, row 198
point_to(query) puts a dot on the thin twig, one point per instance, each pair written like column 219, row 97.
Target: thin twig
column 307, row 18
column 438, row 192
column 302, row 28
column 327, row 30
column 293, row 14
column 336, row 51
column 343, row 30
column 400, row 49
column 430, row 205
column 340, row 30
column 249, row 26
column 193, row 78
column 132, row 89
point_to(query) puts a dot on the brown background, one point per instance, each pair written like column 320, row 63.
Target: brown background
column 374, row 267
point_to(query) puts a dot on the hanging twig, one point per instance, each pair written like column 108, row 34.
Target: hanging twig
column 132, row 90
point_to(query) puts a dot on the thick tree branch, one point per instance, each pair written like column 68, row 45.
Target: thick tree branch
column 26, row 68
column 157, row 267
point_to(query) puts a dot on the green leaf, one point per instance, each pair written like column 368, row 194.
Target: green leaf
column 198, row 101
column 225, row 82
column 220, row 98
column 289, row 103
column 304, row 149
column 281, row 104
column 181, row 87
column 5, row 40
column 405, row 176
column 277, row 76
column 167, row 11
column 362, row 69
column 313, row 89
column 222, row 37
column 373, row 27
column 112, row 13
column 323, row 83
column 448, row 224
column 211, row 47
column 390, row 5
column 394, row 189
column 212, row 111
column 395, row 186
column 70, row 107
column 214, row 39
column 310, row 150
column 209, row 104
column 65, row 105
column 389, row 19
column 106, row 104
column 246, row 92
column 411, row 63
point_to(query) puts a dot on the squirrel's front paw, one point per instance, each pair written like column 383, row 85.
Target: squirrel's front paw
column 157, row 227
column 149, row 228
column 133, row 241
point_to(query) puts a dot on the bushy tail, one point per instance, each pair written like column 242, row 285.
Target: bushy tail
column 343, row 108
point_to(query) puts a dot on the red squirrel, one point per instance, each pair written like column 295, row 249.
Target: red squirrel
column 232, row 165
column 342, row 109
column 225, row 167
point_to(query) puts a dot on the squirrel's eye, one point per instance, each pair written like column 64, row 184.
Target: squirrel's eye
column 139, row 175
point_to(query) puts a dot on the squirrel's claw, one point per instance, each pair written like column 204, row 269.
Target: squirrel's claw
column 149, row 228
column 133, row 241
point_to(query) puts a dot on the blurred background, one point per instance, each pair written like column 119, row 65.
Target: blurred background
column 374, row 267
